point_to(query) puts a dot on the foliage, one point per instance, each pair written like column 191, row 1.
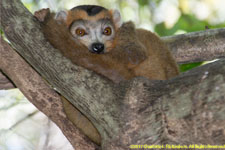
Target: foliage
column 185, row 67
column 187, row 23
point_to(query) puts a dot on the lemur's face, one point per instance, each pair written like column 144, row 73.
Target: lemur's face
column 93, row 26
column 96, row 35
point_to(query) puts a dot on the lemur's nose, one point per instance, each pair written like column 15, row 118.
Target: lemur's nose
column 97, row 47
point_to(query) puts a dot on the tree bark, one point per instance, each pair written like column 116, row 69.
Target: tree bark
column 197, row 46
column 5, row 83
column 38, row 92
column 188, row 109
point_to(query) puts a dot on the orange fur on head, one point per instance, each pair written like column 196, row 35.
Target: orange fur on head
column 81, row 14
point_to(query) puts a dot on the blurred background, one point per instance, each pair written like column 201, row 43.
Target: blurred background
column 23, row 127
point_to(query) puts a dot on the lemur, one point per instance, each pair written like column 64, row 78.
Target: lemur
column 95, row 38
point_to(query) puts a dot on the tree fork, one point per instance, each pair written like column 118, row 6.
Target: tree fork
column 185, row 110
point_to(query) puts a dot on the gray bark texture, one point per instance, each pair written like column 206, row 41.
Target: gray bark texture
column 188, row 109
column 38, row 92
column 5, row 83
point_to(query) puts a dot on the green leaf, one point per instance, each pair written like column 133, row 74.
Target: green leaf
column 185, row 67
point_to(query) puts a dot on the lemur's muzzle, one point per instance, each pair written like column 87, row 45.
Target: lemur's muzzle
column 97, row 48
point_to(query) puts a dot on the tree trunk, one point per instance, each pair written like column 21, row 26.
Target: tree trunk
column 188, row 109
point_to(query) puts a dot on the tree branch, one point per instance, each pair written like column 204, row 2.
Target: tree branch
column 185, row 110
column 40, row 94
column 5, row 83
column 78, row 82
column 197, row 46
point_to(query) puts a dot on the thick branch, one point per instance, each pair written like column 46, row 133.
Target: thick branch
column 197, row 46
column 188, row 109
column 140, row 110
column 40, row 94
column 5, row 83
column 78, row 83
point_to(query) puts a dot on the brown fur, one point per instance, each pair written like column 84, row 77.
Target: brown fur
column 112, row 65
column 160, row 64
column 81, row 122
column 135, row 52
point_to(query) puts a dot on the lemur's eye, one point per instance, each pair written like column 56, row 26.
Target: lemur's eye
column 107, row 31
column 80, row 32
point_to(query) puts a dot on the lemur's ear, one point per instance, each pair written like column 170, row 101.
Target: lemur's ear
column 116, row 18
column 61, row 16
